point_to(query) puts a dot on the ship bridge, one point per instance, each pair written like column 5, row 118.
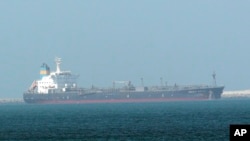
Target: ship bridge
column 58, row 80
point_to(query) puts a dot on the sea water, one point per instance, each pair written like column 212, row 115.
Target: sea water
column 163, row 121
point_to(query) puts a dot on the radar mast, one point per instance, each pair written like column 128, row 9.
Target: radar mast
column 58, row 62
column 214, row 78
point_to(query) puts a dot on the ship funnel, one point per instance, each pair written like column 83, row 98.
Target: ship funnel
column 44, row 70
column 58, row 62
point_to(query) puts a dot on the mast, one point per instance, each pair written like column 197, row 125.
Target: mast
column 58, row 62
column 161, row 81
column 142, row 82
column 214, row 78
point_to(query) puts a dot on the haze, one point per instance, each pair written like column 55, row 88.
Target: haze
column 183, row 42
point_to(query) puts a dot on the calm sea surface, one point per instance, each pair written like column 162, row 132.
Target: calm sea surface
column 170, row 121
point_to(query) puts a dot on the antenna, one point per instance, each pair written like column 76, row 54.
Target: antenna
column 58, row 62
column 214, row 78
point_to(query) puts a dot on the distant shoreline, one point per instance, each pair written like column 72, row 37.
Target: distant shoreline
column 11, row 100
column 236, row 94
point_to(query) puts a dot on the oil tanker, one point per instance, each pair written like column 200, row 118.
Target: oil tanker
column 61, row 87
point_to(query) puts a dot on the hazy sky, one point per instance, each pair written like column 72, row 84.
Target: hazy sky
column 182, row 41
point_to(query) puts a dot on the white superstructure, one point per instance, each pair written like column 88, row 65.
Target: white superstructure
column 58, row 81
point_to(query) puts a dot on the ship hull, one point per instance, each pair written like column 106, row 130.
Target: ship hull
column 127, row 96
